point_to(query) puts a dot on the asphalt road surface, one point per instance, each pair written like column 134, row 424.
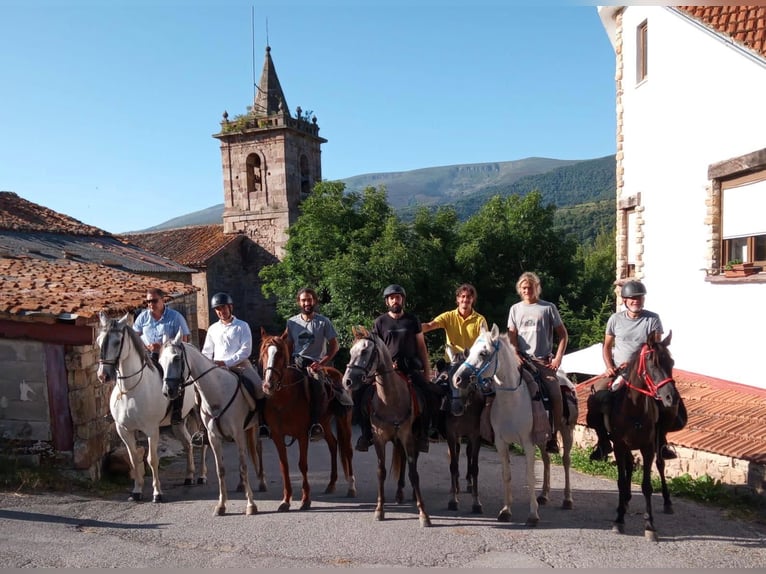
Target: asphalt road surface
column 71, row 530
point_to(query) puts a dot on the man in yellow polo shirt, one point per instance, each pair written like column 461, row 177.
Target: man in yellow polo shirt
column 462, row 328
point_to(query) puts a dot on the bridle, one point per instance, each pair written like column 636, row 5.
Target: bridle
column 481, row 373
column 370, row 367
column 652, row 387
column 103, row 361
column 278, row 373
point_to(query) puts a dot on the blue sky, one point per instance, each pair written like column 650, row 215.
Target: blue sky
column 107, row 108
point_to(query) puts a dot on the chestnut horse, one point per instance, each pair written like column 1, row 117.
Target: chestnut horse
column 391, row 414
column 287, row 413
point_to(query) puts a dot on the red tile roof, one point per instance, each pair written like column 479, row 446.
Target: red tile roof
column 745, row 24
column 70, row 290
column 725, row 418
column 18, row 214
column 193, row 246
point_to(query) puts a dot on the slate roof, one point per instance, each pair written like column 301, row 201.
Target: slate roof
column 193, row 246
column 744, row 24
column 725, row 418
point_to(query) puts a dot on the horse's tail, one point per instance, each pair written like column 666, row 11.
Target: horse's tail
column 398, row 459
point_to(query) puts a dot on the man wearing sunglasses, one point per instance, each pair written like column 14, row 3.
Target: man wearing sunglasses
column 153, row 324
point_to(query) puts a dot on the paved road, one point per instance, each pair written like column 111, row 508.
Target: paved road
column 54, row 530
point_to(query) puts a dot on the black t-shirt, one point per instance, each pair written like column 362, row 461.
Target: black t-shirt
column 399, row 335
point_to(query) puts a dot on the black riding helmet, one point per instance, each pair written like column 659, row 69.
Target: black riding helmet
column 221, row 299
column 394, row 290
column 632, row 289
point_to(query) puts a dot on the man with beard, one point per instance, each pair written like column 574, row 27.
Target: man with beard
column 403, row 336
column 315, row 343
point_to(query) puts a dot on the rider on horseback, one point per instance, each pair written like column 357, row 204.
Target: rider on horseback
column 626, row 332
column 402, row 333
column 314, row 343
column 229, row 343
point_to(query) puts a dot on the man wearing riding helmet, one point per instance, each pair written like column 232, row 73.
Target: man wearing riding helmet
column 402, row 334
column 626, row 333
column 229, row 343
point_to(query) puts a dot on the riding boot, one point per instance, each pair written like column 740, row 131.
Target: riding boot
column 364, row 441
column 485, row 424
column 425, row 426
column 604, row 445
column 316, row 432
column 176, row 413
column 665, row 451
column 263, row 428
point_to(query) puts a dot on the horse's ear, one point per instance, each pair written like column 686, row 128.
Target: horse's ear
column 263, row 332
column 285, row 335
column 103, row 318
column 451, row 352
column 666, row 340
column 483, row 326
column 178, row 338
column 495, row 331
column 124, row 319
column 359, row 332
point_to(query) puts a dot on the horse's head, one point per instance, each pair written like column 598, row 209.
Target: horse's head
column 111, row 340
column 274, row 357
column 174, row 366
column 365, row 358
column 656, row 367
column 481, row 360
column 444, row 375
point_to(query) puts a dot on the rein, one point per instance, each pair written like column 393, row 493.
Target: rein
column 641, row 371
column 479, row 373
column 115, row 363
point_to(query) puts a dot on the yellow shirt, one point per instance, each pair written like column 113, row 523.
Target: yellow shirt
column 461, row 333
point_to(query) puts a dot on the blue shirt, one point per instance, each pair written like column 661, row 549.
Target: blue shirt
column 153, row 330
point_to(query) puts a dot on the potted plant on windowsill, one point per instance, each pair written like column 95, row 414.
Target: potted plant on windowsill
column 736, row 268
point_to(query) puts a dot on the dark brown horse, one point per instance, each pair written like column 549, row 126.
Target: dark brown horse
column 458, row 423
column 392, row 412
column 287, row 413
column 648, row 393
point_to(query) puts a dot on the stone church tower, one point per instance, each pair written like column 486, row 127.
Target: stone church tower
column 271, row 161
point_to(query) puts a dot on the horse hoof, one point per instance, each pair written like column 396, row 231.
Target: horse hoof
column 305, row 505
column 477, row 509
column 504, row 516
column 425, row 521
column 219, row 511
column 567, row 505
column 351, row 493
column 330, row 489
column 533, row 520
column 240, row 488
column 202, row 481
column 379, row 515
column 251, row 509
column 284, row 507
column 452, row 505
column 262, row 488
column 157, row 498
column 651, row 535
column 135, row 497
column 399, row 498
column 618, row 528
column 668, row 509
column 542, row 500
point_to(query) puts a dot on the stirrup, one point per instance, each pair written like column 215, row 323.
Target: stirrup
column 667, row 452
column 316, row 433
column 363, row 443
column 601, row 452
column 264, row 431
column 199, row 438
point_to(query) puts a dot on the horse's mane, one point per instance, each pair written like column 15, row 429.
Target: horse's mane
column 507, row 348
column 135, row 338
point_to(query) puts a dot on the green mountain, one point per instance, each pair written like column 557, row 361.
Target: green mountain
column 565, row 183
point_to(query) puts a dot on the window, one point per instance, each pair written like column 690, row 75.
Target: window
column 743, row 219
column 305, row 177
column 642, row 52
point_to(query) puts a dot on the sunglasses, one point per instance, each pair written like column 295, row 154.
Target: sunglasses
column 152, row 300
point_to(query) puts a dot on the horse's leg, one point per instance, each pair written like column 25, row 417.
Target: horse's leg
column 399, row 466
column 137, row 469
column 454, row 471
column 650, row 532
column 343, row 424
column 567, row 438
column 153, row 458
column 303, row 465
column 255, row 450
column 217, row 446
column 505, row 460
column 182, row 434
column 472, row 455
column 624, row 460
column 666, row 502
column 380, row 451
column 332, row 444
column 241, row 440
column 545, row 492
column 284, row 468
column 412, row 465
column 529, row 453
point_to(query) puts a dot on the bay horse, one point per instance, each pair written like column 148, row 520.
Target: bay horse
column 648, row 393
column 137, row 403
column 392, row 412
column 225, row 408
column 493, row 357
column 287, row 413
column 463, row 423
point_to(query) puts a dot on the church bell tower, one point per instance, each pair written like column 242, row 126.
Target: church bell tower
column 271, row 161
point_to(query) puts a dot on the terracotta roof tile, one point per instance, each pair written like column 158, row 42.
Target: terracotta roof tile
column 193, row 246
column 18, row 214
column 744, row 24
column 70, row 290
column 725, row 418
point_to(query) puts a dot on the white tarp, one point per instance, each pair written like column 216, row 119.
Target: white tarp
column 587, row 361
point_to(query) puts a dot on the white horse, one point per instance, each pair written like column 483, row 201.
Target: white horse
column 493, row 357
column 227, row 410
column 137, row 402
